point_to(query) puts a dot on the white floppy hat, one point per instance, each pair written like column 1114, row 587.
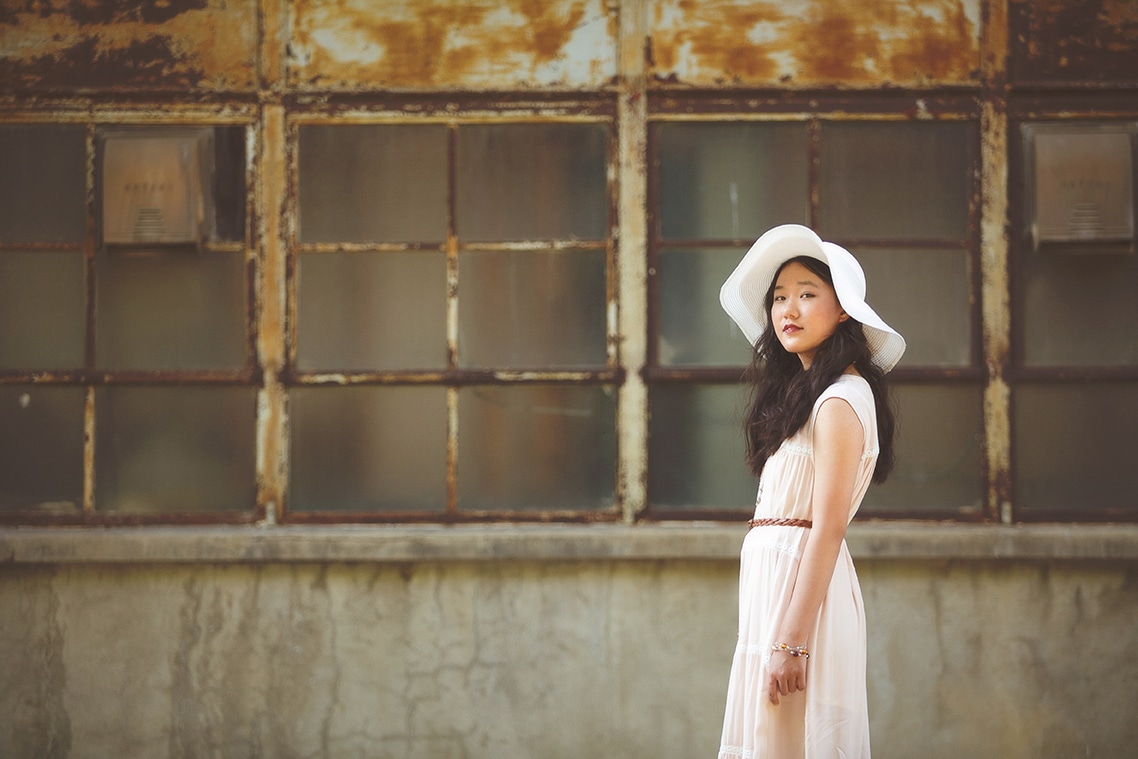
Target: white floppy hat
column 743, row 293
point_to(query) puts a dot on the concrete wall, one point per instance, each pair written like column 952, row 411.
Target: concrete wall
column 503, row 658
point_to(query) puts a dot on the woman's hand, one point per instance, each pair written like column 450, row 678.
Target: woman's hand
column 787, row 675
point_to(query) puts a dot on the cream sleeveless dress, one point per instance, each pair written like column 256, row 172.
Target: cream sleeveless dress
column 830, row 718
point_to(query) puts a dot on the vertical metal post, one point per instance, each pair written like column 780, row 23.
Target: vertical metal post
column 631, row 258
column 271, row 194
column 994, row 289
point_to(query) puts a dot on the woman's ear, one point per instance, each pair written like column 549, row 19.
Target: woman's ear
column 843, row 316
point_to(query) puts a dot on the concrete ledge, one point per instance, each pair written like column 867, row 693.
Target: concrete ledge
column 938, row 540
column 693, row 541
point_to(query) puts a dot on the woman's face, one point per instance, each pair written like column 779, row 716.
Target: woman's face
column 805, row 311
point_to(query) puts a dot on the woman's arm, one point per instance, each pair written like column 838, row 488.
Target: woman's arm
column 838, row 440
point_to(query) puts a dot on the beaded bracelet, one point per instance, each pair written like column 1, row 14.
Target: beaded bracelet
column 792, row 650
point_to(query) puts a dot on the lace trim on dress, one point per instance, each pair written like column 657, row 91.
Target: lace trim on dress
column 789, row 549
column 805, row 450
column 735, row 752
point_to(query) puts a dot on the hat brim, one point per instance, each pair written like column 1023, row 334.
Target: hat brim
column 743, row 294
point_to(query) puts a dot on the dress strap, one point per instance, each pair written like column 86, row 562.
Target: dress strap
column 780, row 523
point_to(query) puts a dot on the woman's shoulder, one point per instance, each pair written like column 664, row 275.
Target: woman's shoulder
column 852, row 388
column 848, row 384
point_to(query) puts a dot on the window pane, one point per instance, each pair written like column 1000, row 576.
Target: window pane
column 229, row 183
column 696, row 450
column 41, row 448
column 924, row 295
column 906, row 180
column 694, row 330
column 731, row 181
column 359, row 311
column 532, row 181
column 532, row 308
column 170, row 310
column 1080, row 310
column 368, row 448
column 939, row 450
column 372, row 183
column 43, row 187
column 537, row 448
column 42, row 310
column 174, row 449
column 1074, row 447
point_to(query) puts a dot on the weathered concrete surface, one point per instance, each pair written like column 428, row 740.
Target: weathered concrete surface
column 538, row 659
column 989, row 659
column 400, row 661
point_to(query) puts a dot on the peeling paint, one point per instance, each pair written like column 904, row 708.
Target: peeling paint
column 105, row 45
column 418, row 44
column 1088, row 41
column 816, row 42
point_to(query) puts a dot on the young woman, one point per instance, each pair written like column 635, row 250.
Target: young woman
column 818, row 429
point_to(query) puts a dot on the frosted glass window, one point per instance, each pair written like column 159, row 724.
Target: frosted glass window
column 939, row 451
column 170, row 310
column 926, row 296
column 532, row 308
column 368, row 448
column 359, row 311
column 536, row 448
column 532, row 181
column 1074, row 447
column 694, row 329
column 885, row 180
column 372, row 183
column 696, row 456
column 42, row 309
column 730, row 181
column 41, row 448
column 175, row 449
column 1080, row 310
column 43, row 188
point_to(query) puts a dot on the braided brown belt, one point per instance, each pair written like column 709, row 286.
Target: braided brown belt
column 780, row 523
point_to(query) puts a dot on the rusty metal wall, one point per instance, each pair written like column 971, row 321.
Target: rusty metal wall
column 440, row 44
column 108, row 46
column 810, row 43
column 240, row 46
column 1073, row 42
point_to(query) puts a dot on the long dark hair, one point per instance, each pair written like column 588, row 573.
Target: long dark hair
column 783, row 394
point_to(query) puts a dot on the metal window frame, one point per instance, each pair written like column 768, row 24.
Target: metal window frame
column 453, row 114
column 815, row 110
column 141, row 116
column 1059, row 108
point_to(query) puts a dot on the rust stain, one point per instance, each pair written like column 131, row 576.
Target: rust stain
column 713, row 35
column 105, row 45
column 438, row 43
column 816, row 42
column 1082, row 41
